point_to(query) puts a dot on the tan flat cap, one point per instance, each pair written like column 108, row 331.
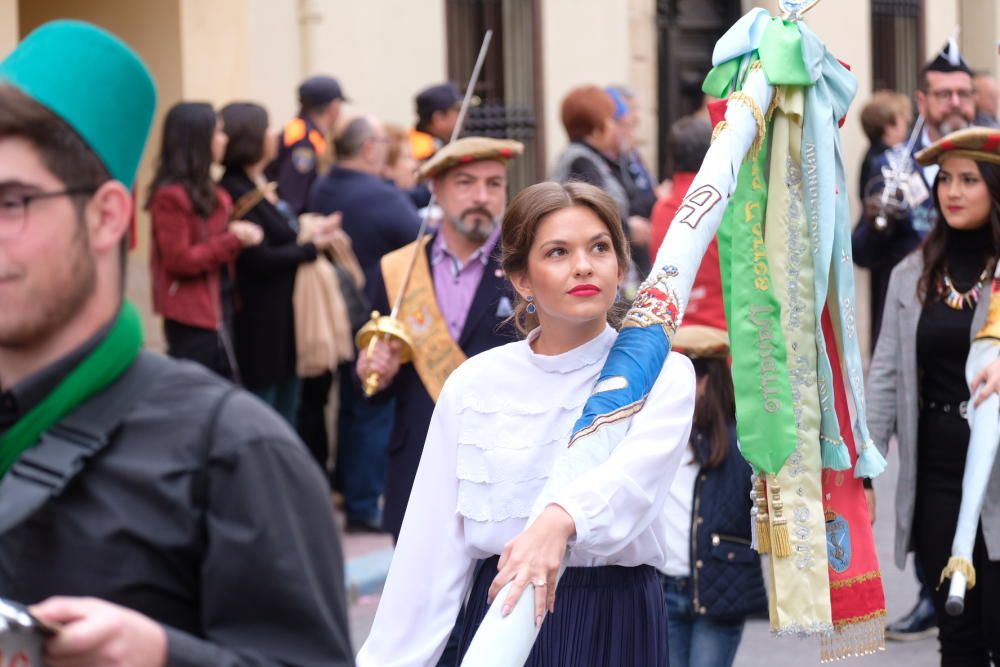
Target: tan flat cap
column 981, row 144
column 469, row 149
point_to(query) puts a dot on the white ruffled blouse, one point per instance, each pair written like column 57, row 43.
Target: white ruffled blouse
column 498, row 426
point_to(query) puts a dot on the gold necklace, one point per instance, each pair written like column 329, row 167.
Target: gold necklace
column 959, row 300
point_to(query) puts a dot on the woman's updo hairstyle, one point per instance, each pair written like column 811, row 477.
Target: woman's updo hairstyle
column 532, row 205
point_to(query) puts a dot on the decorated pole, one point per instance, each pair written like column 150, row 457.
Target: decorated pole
column 984, row 440
column 772, row 185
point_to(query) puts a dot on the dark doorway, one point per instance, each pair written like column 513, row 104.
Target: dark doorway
column 687, row 31
column 508, row 100
column 897, row 44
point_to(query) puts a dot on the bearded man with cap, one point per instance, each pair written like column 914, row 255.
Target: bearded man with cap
column 183, row 517
column 946, row 101
column 304, row 140
column 456, row 304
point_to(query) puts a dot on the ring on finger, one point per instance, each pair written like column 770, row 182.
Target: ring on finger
column 538, row 584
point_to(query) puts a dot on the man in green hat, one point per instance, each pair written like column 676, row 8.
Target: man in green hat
column 152, row 513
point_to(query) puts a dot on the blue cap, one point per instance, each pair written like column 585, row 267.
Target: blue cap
column 621, row 106
column 441, row 97
column 317, row 91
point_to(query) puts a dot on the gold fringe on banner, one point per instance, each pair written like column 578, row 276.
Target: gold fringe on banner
column 854, row 637
column 720, row 127
column 781, row 543
column 762, row 527
column 959, row 564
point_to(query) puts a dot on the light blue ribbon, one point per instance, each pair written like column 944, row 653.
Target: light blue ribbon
column 829, row 217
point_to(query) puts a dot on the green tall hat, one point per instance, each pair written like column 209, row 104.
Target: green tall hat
column 94, row 82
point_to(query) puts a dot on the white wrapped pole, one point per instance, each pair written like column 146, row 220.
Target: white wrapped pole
column 984, row 422
column 507, row 642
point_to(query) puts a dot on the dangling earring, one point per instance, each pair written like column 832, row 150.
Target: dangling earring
column 530, row 309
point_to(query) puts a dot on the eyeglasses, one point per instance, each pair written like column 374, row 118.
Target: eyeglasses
column 14, row 207
column 964, row 95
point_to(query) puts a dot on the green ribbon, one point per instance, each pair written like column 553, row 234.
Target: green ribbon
column 765, row 420
column 780, row 53
column 720, row 79
column 100, row 368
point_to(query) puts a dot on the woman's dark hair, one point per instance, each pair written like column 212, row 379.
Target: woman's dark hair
column 715, row 408
column 535, row 203
column 935, row 245
column 186, row 154
column 245, row 123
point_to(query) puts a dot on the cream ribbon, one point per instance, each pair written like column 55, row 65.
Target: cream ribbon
column 800, row 584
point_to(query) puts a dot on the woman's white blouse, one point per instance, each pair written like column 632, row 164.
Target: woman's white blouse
column 499, row 423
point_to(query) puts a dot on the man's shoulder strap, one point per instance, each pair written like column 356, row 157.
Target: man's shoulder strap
column 44, row 471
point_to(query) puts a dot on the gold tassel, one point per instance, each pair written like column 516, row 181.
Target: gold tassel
column 782, row 545
column 762, row 526
column 763, row 534
column 959, row 564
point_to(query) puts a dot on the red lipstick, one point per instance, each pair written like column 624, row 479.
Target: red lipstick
column 585, row 290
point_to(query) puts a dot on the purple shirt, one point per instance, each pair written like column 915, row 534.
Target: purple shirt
column 455, row 283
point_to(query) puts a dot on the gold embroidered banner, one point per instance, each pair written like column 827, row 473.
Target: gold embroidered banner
column 800, row 579
column 435, row 352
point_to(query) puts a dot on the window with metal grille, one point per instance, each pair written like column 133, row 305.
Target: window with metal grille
column 508, row 98
column 897, row 44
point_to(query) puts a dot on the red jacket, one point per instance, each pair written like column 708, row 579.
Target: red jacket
column 705, row 305
column 187, row 253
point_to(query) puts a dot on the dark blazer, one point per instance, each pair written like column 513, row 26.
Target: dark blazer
column 378, row 216
column 264, row 325
column 485, row 328
column 729, row 583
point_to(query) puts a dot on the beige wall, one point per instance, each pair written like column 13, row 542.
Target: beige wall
column 382, row 52
column 583, row 41
column 214, row 43
column 940, row 20
column 8, row 26
column 980, row 21
column 643, row 54
column 274, row 56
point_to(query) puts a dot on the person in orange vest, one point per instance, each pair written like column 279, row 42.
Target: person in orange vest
column 304, row 140
column 437, row 113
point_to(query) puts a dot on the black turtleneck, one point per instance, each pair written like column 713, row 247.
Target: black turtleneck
column 943, row 333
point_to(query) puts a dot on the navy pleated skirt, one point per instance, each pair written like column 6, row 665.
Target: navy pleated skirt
column 605, row 617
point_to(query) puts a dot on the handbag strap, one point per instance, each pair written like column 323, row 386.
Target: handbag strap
column 250, row 199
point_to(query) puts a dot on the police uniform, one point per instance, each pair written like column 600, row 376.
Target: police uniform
column 303, row 145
